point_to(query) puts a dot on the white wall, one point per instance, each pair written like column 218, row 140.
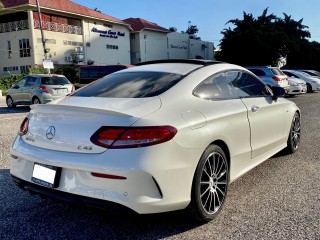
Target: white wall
column 153, row 45
column 178, row 46
column 98, row 51
column 15, row 60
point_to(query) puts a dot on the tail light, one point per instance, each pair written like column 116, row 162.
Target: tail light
column 44, row 88
column 72, row 89
column 24, row 127
column 276, row 78
column 132, row 137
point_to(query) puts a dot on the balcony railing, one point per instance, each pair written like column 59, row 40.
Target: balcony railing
column 58, row 27
column 14, row 26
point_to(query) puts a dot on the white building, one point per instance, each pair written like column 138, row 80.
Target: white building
column 150, row 41
column 73, row 34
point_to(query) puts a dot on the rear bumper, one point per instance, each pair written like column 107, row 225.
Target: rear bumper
column 155, row 182
column 70, row 198
column 46, row 98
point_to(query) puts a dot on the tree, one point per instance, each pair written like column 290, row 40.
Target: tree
column 265, row 39
column 192, row 30
column 97, row 10
column 172, row 29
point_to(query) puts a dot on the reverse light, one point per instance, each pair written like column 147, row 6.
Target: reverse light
column 44, row 88
column 132, row 137
column 24, row 127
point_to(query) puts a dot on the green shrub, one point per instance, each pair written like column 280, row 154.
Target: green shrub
column 7, row 81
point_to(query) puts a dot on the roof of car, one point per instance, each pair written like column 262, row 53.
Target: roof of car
column 46, row 75
column 187, row 61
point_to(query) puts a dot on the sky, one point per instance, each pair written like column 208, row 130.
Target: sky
column 210, row 16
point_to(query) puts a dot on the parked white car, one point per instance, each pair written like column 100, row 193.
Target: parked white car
column 297, row 86
column 159, row 137
column 313, row 73
column 313, row 83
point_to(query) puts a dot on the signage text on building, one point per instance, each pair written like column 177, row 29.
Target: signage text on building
column 108, row 33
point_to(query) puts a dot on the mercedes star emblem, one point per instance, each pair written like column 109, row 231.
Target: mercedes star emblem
column 51, row 132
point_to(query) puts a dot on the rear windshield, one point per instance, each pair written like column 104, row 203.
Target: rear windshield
column 54, row 80
column 130, row 85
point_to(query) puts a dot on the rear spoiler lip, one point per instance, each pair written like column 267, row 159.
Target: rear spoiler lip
column 77, row 108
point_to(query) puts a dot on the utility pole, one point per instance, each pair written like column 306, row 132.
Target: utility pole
column 45, row 50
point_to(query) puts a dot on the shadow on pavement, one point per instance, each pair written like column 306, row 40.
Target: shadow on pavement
column 19, row 109
column 26, row 217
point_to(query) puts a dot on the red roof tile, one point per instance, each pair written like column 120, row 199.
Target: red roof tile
column 63, row 5
column 138, row 24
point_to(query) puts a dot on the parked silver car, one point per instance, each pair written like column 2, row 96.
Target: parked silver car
column 38, row 88
column 272, row 76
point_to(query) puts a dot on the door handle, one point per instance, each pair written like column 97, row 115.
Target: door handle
column 255, row 108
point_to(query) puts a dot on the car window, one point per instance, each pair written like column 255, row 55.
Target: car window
column 22, row 82
column 54, row 80
column 217, row 86
column 30, row 82
column 276, row 71
column 130, row 85
column 290, row 74
column 310, row 73
column 247, row 85
column 258, row 72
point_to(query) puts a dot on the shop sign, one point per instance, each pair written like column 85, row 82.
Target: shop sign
column 178, row 46
column 108, row 33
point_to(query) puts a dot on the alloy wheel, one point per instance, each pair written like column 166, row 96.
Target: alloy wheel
column 213, row 183
column 295, row 132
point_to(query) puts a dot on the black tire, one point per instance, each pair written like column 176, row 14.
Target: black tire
column 10, row 102
column 36, row 100
column 309, row 88
column 294, row 135
column 210, row 185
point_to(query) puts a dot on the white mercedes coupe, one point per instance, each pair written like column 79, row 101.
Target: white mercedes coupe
column 162, row 136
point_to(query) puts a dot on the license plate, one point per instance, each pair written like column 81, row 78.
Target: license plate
column 46, row 175
column 60, row 91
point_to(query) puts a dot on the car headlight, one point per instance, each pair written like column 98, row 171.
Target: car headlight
column 293, row 83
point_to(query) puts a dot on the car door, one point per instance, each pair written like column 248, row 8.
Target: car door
column 266, row 116
column 226, row 116
column 16, row 92
column 28, row 89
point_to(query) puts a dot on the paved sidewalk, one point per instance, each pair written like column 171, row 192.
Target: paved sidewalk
column 3, row 101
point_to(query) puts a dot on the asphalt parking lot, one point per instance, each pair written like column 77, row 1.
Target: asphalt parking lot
column 280, row 199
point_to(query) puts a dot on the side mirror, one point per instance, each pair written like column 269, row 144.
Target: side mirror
column 277, row 92
column 15, row 86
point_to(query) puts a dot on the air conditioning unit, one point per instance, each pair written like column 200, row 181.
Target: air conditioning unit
column 68, row 58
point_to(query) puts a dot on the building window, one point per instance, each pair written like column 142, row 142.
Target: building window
column 88, row 44
column 9, row 49
column 11, row 69
column 116, row 47
column 132, row 36
column 24, row 69
column 24, row 48
column 72, row 43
